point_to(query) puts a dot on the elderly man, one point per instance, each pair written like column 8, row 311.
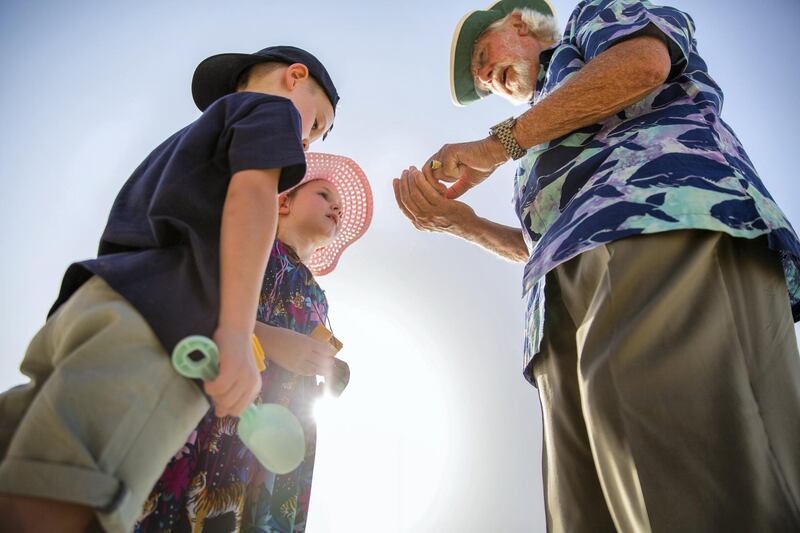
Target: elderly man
column 661, row 279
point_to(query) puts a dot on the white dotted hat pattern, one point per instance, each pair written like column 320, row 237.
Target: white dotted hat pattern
column 356, row 210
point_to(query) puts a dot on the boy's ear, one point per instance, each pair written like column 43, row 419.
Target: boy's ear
column 296, row 73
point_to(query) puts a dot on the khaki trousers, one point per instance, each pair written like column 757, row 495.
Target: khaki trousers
column 103, row 414
column 669, row 380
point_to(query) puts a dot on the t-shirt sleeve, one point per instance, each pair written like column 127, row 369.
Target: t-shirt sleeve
column 600, row 24
column 268, row 136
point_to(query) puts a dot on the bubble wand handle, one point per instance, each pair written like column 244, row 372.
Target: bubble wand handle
column 270, row 431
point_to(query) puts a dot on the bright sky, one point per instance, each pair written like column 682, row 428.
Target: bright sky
column 438, row 431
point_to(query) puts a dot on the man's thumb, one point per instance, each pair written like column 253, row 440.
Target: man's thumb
column 457, row 189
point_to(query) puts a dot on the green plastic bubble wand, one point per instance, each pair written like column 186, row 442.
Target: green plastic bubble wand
column 270, row 431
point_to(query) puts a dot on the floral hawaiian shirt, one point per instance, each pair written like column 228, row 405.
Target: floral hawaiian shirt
column 667, row 162
column 214, row 484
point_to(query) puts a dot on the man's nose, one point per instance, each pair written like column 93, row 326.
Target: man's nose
column 485, row 74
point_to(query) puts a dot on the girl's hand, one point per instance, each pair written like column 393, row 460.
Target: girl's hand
column 296, row 352
column 238, row 382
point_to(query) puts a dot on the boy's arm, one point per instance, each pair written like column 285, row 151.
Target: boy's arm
column 249, row 223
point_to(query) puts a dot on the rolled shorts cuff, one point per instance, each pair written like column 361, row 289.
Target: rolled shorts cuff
column 113, row 503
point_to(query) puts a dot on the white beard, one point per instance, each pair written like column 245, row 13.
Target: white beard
column 522, row 87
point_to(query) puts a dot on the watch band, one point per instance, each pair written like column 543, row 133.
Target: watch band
column 502, row 132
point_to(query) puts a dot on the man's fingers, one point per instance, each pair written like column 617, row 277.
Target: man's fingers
column 397, row 195
column 399, row 198
column 396, row 189
column 459, row 188
column 452, row 169
column 439, row 187
column 415, row 178
column 432, row 193
column 427, row 168
column 405, row 193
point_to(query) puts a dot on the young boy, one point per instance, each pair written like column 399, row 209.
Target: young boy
column 183, row 253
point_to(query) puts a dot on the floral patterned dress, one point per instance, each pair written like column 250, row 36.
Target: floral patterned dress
column 214, row 483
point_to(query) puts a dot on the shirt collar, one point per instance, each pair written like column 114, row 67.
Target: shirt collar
column 544, row 63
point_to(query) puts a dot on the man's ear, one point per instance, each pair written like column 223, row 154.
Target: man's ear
column 284, row 204
column 296, row 73
column 519, row 25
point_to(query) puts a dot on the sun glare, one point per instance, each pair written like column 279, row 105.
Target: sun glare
column 389, row 429
column 324, row 408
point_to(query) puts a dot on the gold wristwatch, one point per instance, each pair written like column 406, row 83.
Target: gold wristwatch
column 502, row 132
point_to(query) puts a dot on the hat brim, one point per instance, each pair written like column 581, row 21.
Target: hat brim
column 467, row 32
column 217, row 75
column 356, row 210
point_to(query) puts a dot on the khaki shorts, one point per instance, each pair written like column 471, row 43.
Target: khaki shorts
column 103, row 413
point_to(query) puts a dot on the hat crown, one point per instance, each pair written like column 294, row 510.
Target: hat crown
column 217, row 75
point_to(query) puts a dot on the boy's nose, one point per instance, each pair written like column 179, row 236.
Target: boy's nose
column 305, row 145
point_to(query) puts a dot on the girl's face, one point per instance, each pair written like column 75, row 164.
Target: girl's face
column 313, row 212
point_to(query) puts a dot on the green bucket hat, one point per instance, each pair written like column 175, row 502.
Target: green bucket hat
column 469, row 28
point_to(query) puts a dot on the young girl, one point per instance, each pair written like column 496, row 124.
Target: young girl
column 214, row 483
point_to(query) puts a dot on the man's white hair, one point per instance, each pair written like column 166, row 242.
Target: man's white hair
column 543, row 27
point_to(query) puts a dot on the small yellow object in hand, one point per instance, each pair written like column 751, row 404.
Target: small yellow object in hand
column 435, row 164
column 258, row 354
column 322, row 334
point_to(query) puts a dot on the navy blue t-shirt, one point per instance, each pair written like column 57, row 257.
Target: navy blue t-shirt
column 160, row 248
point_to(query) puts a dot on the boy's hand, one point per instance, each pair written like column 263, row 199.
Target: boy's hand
column 298, row 353
column 239, row 381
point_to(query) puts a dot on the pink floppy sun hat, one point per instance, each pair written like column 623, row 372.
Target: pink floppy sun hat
column 356, row 210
